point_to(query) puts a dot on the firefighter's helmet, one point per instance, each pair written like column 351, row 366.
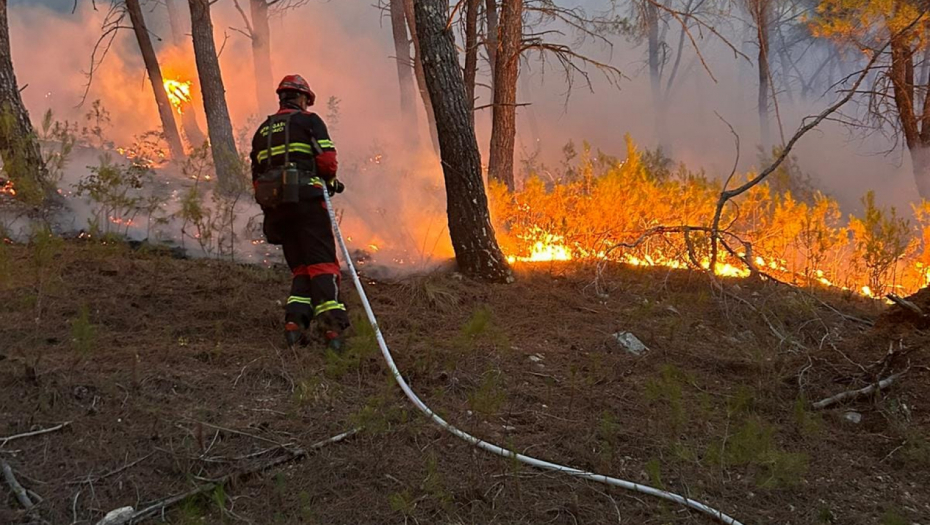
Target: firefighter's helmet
column 298, row 84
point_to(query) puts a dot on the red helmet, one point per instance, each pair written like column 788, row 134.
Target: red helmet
column 298, row 84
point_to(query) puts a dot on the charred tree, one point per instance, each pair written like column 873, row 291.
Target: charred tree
column 471, row 53
column 19, row 147
column 476, row 249
column 504, row 112
column 404, row 66
column 219, row 127
column 261, row 57
column 420, row 75
column 165, row 112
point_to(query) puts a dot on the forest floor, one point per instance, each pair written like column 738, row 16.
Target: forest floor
column 172, row 372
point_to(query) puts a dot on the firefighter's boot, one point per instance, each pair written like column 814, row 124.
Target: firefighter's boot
column 334, row 341
column 293, row 334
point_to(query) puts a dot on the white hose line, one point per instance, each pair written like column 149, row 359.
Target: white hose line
column 490, row 447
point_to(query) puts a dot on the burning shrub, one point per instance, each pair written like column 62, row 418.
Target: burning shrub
column 213, row 227
column 642, row 212
column 115, row 190
column 882, row 239
column 57, row 140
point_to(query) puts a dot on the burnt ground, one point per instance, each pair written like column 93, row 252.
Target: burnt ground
column 147, row 355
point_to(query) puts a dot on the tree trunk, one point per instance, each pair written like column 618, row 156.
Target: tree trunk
column 261, row 58
column 920, row 158
column 471, row 53
column 902, row 84
column 651, row 18
column 222, row 142
column 761, row 17
column 493, row 38
column 165, row 111
column 405, row 66
column 176, row 21
column 179, row 30
column 19, row 148
column 504, row 116
column 421, row 76
column 476, row 249
column 915, row 127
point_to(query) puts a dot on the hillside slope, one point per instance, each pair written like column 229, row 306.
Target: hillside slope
column 172, row 372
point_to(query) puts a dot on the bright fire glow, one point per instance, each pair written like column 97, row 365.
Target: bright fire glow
column 547, row 247
column 543, row 246
column 179, row 93
column 7, row 188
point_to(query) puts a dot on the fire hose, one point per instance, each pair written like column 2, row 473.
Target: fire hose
column 484, row 445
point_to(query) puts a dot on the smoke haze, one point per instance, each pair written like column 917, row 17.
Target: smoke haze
column 395, row 191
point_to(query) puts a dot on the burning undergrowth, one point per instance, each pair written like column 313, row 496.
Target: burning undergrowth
column 393, row 214
column 642, row 211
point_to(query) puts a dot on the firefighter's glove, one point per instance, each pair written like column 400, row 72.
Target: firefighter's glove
column 335, row 186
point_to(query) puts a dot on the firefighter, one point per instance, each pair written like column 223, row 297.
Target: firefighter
column 293, row 163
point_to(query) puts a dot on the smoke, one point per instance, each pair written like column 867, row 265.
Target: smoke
column 395, row 204
column 395, row 200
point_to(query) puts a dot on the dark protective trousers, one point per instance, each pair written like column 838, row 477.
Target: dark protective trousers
column 306, row 235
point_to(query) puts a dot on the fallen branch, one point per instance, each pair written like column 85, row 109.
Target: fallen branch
column 114, row 472
column 293, row 455
column 727, row 194
column 855, row 394
column 21, row 495
column 904, row 303
column 4, row 441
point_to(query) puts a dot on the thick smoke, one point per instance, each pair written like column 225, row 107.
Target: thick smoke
column 395, row 197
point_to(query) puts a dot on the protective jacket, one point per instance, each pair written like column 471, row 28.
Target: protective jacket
column 308, row 146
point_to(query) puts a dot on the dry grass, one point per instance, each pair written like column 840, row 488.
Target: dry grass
column 143, row 353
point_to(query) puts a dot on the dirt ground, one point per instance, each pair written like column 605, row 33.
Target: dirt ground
column 171, row 373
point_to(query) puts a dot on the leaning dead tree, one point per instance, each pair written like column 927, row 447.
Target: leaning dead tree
column 219, row 127
column 19, row 148
column 165, row 112
column 113, row 23
column 473, row 239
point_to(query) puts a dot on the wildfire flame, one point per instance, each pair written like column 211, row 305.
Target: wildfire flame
column 6, row 188
column 179, row 93
column 543, row 246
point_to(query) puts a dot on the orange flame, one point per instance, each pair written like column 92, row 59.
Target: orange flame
column 6, row 188
column 179, row 93
column 802, row 242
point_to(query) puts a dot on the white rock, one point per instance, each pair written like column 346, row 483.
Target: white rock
column 117, row 517
column 536, row 358
column 853, row 417
column 631, row 343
